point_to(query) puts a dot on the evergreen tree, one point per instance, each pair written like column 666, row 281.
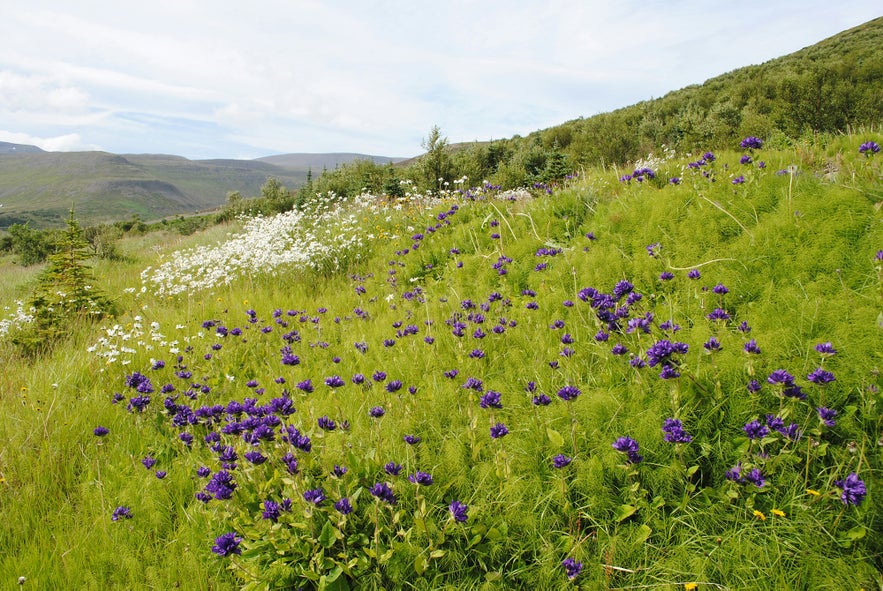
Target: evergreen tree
column 65, row 293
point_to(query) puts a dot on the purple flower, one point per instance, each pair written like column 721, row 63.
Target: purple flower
column 334, row 381
column 271, row 511
column 392, row 468
column 382, row 491
column 694, row 274
column 868, row 148
column 780, row 376
column 305, row 386
column 160, row 474
column 326, row 424
column 820, row 377
column 376, row 412
column 421, row 478
column 669, row 372
column 666, row 276
column 826, row 349
column 221, row 485
column 499, row 430
column 338, row 471
column 674, row 180
column 149, row 462
column 745, row 159
column 718, row 314
column 712, row 344
column 755, row 477
column 227, row 544
column 101, row 431
column 255, row 457
column 827, row 416
column 458, row 511
column 203, row 471
column 121, row 512
column 394, row 386
column 853, row 488
column 619, row 349
column 411, row 439
column 572, row 568
column 568, row 393
column 491, row 399
column 751, row 347
column 541, row 400
column 315, row 496
column 560, row 461
column 755, row 430
column 630, row 447
column 739, row 180
column 751, row 143
column 735, row 473
column 343, row 506
column 674, row 432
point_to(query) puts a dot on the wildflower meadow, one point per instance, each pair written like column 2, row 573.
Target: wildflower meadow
column 664, row 377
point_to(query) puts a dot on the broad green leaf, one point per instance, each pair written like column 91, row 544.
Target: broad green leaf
column 419, row 564
column 642, row 533
column 437, row 553
column 555, row 437
column 328, row 535
column 624, row 512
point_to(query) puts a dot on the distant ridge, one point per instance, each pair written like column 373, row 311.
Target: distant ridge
column 316, row 162
column 8, row 148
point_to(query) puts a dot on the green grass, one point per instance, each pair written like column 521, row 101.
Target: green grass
column 797, row 255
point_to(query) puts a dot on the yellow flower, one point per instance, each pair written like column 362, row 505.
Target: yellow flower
column 690, row 586
column 759, row 515
column 778, row 513
column 812, row 492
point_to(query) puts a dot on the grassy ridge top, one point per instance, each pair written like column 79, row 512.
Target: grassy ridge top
column 482, row 306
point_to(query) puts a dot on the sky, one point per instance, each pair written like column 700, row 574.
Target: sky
column 245, row 79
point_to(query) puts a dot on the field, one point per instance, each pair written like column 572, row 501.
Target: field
column 665, row 377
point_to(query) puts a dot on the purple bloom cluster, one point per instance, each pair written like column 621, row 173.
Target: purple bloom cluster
column 630, row 447
column 459, row 511
column 674, row 431
column 868, row 148
column 853, row 489
column 227, row 544
column 572, row 568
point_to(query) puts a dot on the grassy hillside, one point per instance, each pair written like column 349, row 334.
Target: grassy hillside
column 42, row 187
column 631, row 382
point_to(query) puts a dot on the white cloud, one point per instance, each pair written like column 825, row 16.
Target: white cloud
column 71, row 142
column 223, row 77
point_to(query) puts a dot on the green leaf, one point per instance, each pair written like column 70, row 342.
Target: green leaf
column 692, row 470
column 856, row 533
column 419, row 564
column 437, row 553
column 642, row 533
column 624, row 512
column 328, row 535
column 555, row 437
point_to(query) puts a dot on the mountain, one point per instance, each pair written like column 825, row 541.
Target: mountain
column 8, row 148
column 316, row 162
column 40, row 187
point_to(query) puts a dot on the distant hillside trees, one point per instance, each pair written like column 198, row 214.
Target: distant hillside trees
column 32, row 246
